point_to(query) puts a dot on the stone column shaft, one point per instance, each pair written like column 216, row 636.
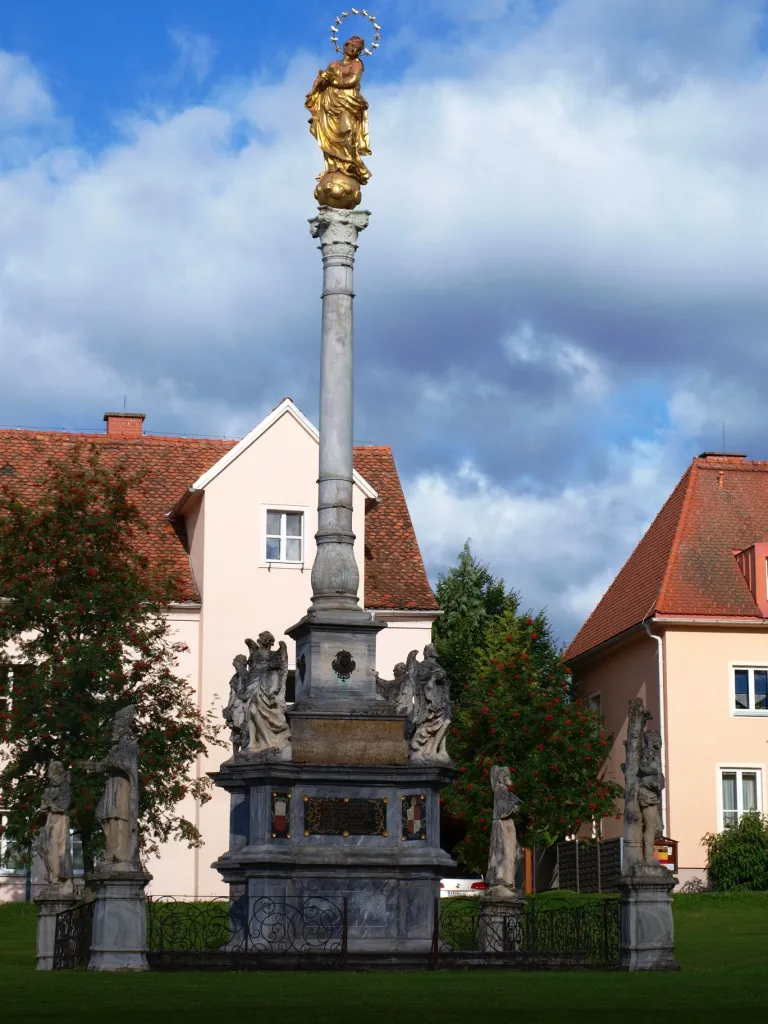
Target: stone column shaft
column 335, row 575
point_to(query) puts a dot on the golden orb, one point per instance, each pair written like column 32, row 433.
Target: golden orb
column 338, row 190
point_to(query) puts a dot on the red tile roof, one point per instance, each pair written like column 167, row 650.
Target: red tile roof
column 394, row 577
column 394, row 570
column 685, row 564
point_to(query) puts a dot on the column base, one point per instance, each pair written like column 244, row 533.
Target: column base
column 119, row 922
column 647, row 928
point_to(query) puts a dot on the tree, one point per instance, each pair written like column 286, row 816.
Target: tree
column 82, row 620
column 469, row 596
column 519, row 710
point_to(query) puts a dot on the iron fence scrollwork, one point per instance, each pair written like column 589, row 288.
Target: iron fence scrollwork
column 72, row 942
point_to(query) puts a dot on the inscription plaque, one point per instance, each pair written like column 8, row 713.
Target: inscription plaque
column 344, row 816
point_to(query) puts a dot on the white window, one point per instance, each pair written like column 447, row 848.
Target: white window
column 750, row 690
column 5, row 689
column 284, row 540
column 741, row 791
column 9, row 865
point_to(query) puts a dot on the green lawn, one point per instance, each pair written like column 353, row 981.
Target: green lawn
column 722, row 947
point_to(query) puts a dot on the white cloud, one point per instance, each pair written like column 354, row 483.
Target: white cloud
column 196, row 53
column 23, row 95
column 559, row 356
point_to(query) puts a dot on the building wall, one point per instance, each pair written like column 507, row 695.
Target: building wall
column 704, row 734
column 621, row 673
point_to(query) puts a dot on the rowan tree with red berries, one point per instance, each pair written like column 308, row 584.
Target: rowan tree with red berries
column 83, row 633
column 520, row 710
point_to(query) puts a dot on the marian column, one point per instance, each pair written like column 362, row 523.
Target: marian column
column 336, row 640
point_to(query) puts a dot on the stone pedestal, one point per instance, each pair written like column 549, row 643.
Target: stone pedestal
column 647, row 928
column 499, row 923
column 119, row 940
column 50, row 901
column 289, row 842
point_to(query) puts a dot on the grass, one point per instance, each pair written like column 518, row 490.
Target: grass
column 722, row 948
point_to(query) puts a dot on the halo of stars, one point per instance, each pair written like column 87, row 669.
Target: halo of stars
column 363, row 14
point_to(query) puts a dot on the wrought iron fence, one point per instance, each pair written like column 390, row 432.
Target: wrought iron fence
column 222, row 933
column 72, row 942
column 533, row 933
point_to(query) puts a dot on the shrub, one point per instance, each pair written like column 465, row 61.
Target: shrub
column 737, row 858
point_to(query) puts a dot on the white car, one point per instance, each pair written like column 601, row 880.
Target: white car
column 472, row 886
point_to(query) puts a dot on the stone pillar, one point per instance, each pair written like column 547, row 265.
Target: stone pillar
column 119, row 940
column 50, row 902
column 499, row 923
column 647, row 928
column 335, row 575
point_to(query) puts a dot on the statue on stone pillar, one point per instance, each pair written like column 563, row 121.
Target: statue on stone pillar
column 643, row 786
column 266, row 727
column 430, row 717
column 118, row 809
column 235, row 713
column 502, row 858
column 52, row 845
column 339, row 122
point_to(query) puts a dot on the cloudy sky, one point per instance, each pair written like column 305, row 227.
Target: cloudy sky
column 561, row 297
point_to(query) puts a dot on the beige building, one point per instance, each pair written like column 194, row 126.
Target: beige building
column 685, row 626
column 237, row 520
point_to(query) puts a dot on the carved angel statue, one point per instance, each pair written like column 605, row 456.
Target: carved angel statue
column 430, row 717
column 339, row 122
column 502, row 859
column 397, row 692
column 234, row 713
column 118, row 809
column 651, row 782
column 266, row 726
column 52, row 843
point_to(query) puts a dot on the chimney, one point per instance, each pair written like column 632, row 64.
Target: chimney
column 125, row 424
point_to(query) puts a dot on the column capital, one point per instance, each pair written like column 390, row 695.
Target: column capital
column 338, row 227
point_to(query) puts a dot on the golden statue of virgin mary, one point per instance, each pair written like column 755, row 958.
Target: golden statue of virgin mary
column 339, row 122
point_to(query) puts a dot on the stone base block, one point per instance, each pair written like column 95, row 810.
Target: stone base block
column 499, row 924
column 49, row 903
column 119, row 922
column 647, row 928
column 348, row 740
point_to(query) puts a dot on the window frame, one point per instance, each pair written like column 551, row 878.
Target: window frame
column 6, row 872
column 596, row 697
column 281, row 508
column 739, row 769
column 750, row 667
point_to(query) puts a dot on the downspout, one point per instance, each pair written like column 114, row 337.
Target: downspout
column 662, row 717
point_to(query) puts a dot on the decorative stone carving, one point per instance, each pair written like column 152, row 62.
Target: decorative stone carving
column 398, row 692
column 430, row 716
column 343, row 664
column 265, row 733
column 52, row 844
column 643, row 786
column 235, row 713
column 118, row 809
column 502, row 859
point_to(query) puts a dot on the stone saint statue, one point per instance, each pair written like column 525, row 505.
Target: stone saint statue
column 52, row 843
column 650, row 785
column 266, row 728
column 397, row 692
column 643, row 786
column 502, row 859
column 339, row 122
column 430, row 716
column 118, row 809
column 234, row 713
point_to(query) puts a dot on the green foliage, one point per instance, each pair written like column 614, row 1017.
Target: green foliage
column 520, row 710
column 470, row 597
column 737, row 857
column 83, row 622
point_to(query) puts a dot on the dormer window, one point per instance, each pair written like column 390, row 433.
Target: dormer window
column 284, row 539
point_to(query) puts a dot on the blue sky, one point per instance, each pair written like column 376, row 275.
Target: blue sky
column 561, row 296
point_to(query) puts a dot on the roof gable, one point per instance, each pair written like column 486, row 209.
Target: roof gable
column 685, row 564
column 285, row 408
